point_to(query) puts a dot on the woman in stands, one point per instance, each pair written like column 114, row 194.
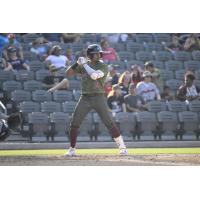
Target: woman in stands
column 124, row 81
column 136, row 74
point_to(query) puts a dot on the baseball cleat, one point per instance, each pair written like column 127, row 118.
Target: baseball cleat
column 123, row 152
column 71, row 152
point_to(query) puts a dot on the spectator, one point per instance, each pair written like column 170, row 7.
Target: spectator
column 12, row 42
column 15, row 63
column 146, row 89
column 188, row 91
column 156, row 75
column 112, row 73
column 192, row 43
column 111, row 37
column 82, row 53
column 124, row 81
column 167, row 95
column 136, row 74
column 40, row 48
column 70, row 37
column 175, row 45
column 3, row 64
column 133, row 102
column 3, row 41
column 70, row 56
column 115, row 99
column 109, row 54
column 56, row 61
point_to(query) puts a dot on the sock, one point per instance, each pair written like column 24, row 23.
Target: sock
column 120, row 142
column 73, row 136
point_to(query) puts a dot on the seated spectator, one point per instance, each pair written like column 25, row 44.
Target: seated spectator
column 175, row 45
column 70, row 56
column 14, row 62
column 82, row 53
column 156, row 75
column 3, row 64
column 124, row 81
column 133, row 102
column 112, row 73
column 70, row 37
column 146, row 89
column 136, row 74
column 56, row 61
column 167, row 95
column 40, row 48
column 12, row 42
column 115, row 99
column 192, row 43
column 188, row 91
column 109, row 54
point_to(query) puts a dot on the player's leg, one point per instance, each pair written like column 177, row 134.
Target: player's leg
column 81, row 110
column 101, row 107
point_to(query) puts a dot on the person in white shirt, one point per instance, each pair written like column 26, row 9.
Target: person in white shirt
column 56, row 61
column 146, row 89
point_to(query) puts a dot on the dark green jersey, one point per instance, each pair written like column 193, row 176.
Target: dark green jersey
column 88, row 85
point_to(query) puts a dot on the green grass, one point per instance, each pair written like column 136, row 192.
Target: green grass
column 138, row 151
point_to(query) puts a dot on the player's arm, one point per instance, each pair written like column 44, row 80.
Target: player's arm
column 94, row 74
column 71, row 71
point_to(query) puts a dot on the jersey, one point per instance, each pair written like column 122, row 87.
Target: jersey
column 88, row 85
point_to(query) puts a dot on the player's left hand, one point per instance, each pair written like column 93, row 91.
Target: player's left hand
column 81, row 61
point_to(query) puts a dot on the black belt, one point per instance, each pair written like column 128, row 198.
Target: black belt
column 93, row 95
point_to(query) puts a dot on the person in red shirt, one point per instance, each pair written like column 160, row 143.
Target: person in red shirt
column 109, row 54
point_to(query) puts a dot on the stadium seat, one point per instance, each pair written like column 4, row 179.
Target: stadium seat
column 68, row 106
column 29, row 56
column 189, row 123
column 41, row 74
column 119, row 64
column 174, row 84
column 194, row 106
column 163, row 55
column 143, row 37
column 168, row 124
column 144, row 56
column 24, row 75
column 74, row 85
column 158, row 64
column 41, row 96
column 10, row 86
column 197, row 83
column 88, row 37
column 32, row 85
column 36, row 65
column 135, row 62
column 146, row 124
column 38, row 125
column 118, row 46
column 134, row 47
column 162, row 37
column 59, row 124
column 182, row 56
column 197, row 74
column 173, row 65
column 151, row 46
column 192, row 65
column 127, row 123
column 76, row 47
column 62, row 96
column 20, row 95
column 126, row 56
column 156, row 106
column 196, row 55
column 177, row 106
column 50, row 107
column 167, row 75
column 179, row 74
column 6, row 75
column 29, row 38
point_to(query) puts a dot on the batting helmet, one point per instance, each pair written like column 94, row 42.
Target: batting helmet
column 94, row 48
column 4, row 130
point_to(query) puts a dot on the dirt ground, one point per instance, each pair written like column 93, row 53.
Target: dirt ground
column 103, row 160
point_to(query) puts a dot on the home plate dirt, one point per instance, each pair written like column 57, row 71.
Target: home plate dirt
column 103, row 160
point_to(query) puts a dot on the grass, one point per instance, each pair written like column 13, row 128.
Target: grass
column 138, row 151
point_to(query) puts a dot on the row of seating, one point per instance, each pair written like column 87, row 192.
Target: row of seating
column 131, row 124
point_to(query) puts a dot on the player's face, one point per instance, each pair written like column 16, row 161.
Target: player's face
column 96, row 57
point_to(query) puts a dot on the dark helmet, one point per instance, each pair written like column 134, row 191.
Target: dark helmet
column 94, row 48
column 4, row 130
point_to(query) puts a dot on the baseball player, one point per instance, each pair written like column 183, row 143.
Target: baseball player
column 93, row 72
